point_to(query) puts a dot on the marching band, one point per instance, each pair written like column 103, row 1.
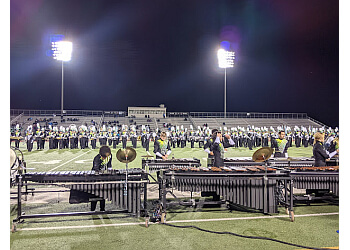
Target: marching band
column 73, row 137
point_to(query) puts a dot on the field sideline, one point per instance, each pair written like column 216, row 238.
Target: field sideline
column 314, row 226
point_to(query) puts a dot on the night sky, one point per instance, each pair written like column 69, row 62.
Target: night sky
column 144, row 53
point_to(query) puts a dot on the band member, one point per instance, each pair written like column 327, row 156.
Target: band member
column 72, row 137
column 18, row 136
column 101, row 162
column 146, row 139
column 192, row 139
column 208, row 145
column 162, row 147
column 320, row 154
column 124, row 139
column 93, row 137
column 281, row 145
column 218, row 147
column 115, row 139
column 66, row 138
column 133, row 138
column 29, row 138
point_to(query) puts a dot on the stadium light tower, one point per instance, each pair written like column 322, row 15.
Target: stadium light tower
column 226, row 60
column 62, row 51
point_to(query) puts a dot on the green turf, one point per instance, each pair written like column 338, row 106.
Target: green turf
column 315, row 231
column 321, row 228
column 45, row 160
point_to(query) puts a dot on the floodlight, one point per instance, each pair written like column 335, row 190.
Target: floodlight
column 226, row 58
column 62, row 50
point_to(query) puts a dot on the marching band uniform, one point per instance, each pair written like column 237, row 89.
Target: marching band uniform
column 250, row 140
column 147, row 139
column 133, row 138
column 173, row 139
column 93, row 138
column 207, row 149
column 124, row 139
column 17, row 138
column 60, row 139
column 51, row 138
column 183, row 139
column 218, row 149
column 114, row 139
column 161, row 148
column 109, row 136
column 66, row 138
column 37, row 139
column 320, row 154
column 29, row 138
column 71, row 139
column 297, row 139
column 281, row 148
column 192, row 139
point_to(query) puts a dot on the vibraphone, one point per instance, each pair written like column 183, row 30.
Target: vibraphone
column 251, row 186
column 316, row 178
column 273, row 162
column 110, row 185
column 154, row 165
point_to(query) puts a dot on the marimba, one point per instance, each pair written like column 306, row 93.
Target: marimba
column 154, row 165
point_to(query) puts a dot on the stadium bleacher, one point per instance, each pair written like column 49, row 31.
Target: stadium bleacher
column 98, row 119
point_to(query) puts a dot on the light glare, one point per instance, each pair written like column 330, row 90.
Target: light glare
column 226, row 58
column 62, row 50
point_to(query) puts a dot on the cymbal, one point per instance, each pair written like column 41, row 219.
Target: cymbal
column 147, row 156
column 262, row 154
column 126, row 155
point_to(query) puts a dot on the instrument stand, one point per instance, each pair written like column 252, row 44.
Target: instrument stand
column 126, row 180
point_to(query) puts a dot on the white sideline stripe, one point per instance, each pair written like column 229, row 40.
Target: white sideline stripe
column 176, row 221
column 69, row 160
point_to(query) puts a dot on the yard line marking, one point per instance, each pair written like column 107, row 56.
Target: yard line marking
column 178, row 221
column 70, row 160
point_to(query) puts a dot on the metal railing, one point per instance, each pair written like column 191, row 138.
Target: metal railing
column 247, row 115
column 30, row 112
column 18, row 113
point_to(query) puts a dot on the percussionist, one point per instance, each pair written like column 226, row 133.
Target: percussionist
column 320, row 154
column 281, row 145
column 102, row 161
column 162, row 147
column 218, row 147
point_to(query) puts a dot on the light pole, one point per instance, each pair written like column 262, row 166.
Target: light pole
column 62, row 51
column 226, row 60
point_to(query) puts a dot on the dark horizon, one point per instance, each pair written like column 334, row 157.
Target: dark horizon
column 138, row 53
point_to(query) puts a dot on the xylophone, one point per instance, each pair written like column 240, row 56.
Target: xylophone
column 154, row 165
column 253, row 187
column 109, row 185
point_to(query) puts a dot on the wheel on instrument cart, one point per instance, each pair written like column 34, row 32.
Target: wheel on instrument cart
column 14, row 227
column 291, row 216
column 163, row 218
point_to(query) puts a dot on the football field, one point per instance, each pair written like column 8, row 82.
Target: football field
column 315, row 225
